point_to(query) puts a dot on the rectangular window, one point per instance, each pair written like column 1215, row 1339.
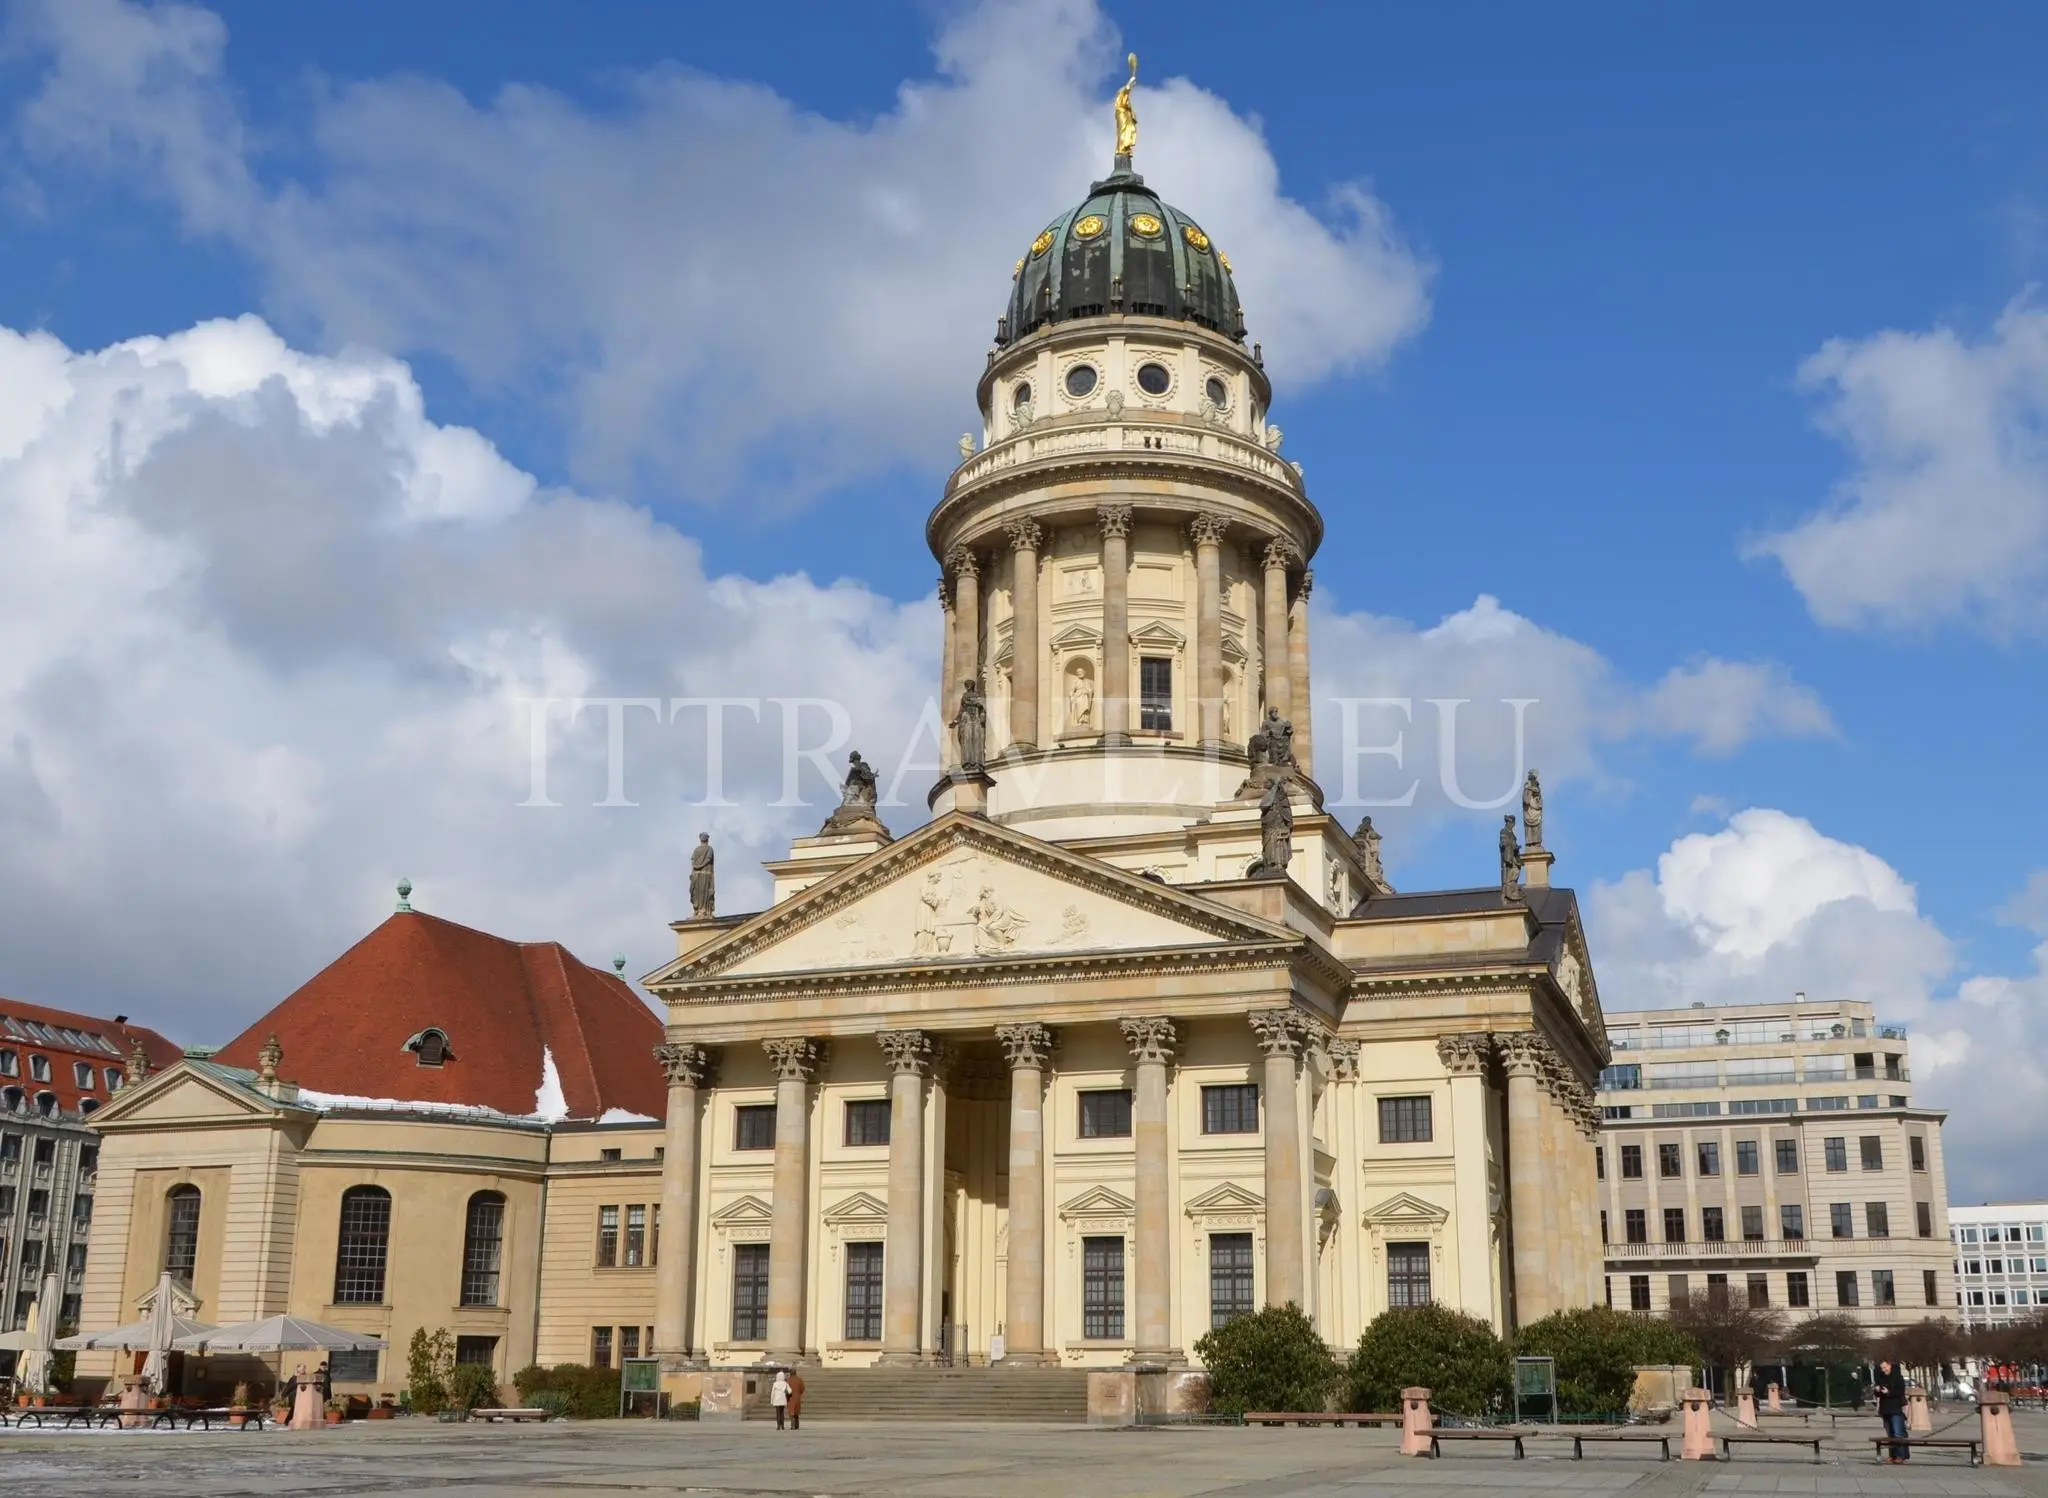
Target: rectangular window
column 353, row 1367
column 1795, row 1290
column 1603, row 1224
column 1710, row 1159
column 1882, row 1292
column 1877, row 1220
column 1622, row 1077
column 1713, row 1225
column 1102, row 1288
column 81, row 1073
column 1717, row 1289
column 753, row 1127
column 1231, row 1110
column 1599, row 1163
column 1674, row 1224
column 867, row 1121
column 10, row 1063
column 1634, row 1226
column 1405, row 1120
column 1842, row 1220
column 1677, row 1289
column 1230, row 1277
column 39, row 1068
column 863, row 1292
column 1845, row 1288
column 629, row 1342
column 1155, row 693
column 1929, row 1287
column 1670, row 1162
column 360, row 1253
column 1407, row 1274
column 1752, row 1224
column 480, row 1351
column 750, row 1292
column 1639, row 1292
column 483, row 1244
column 1631, row 1162
column 1836, row 1149
column 1916, row 1151
column 1792, row 1222
column 636, row 1237
column 1923, row 1218
column 607, row 1237
column 1745, row 1157
column 1107, row 1115
column 1759, row 1291
column 1872, row 1146
column 600, row 1347
column 1788, row 1156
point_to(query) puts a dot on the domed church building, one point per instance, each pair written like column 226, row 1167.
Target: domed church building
column 1132, row 1036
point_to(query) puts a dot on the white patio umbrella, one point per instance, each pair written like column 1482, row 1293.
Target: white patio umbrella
column 33, row 1371
column 279, row 1334
column 155, row 1332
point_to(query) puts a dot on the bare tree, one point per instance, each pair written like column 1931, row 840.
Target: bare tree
column 1922, row 1347
column 1728, row 1333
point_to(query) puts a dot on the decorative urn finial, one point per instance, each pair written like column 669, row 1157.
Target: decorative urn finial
column 404, row 896
column 268, row 1059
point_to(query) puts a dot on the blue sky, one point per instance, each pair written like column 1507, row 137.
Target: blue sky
column 1627, row 232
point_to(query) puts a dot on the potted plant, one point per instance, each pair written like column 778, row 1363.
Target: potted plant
column 336, row 1408
column 238, row 1406
column 385, row 1407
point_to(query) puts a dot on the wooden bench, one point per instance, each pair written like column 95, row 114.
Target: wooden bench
column 512, row 1415
column 1619, row 1438
column 1915, row 1443
column 1437, row 1436
column 1280, row 1417
column 251, row 1417
column 1729, row 1443
column 1802, row 1416
column 67, row 1415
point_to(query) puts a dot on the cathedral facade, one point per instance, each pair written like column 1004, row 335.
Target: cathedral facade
column 1132, row 1036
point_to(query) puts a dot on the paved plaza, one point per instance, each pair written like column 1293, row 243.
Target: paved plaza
column 999, row 1461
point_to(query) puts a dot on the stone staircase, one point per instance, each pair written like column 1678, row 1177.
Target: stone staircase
column 1046, row 1395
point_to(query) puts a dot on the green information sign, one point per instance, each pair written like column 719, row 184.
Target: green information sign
column 640, row 1376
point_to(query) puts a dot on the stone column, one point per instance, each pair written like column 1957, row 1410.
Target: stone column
column 789, row 1225
column 1279, row 679
column 1297, row 673
column 1563, row 1249
column 1207, row 531
column 1116, row 623
column 1152, row 1040
column 1466, row 1058
column 1525, row 1056
column 966, row 663
column 675, row 1277
column 1024, row 539
column 910, row 1057
column 1029, row 1049
column 1281, row 1033
column 947, row 656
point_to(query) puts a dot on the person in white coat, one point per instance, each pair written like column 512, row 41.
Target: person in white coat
column 778, row 1395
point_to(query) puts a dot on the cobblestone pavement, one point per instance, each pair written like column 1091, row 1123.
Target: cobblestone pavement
column 1000, row 1461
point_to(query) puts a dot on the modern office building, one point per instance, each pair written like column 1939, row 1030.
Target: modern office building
column 1773, row 1152
column 2001, row 1261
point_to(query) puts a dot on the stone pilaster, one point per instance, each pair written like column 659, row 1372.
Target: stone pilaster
column 1468, row 1058
column 675, row 1277
column 1206, row 530
column 1116, row 622
column 966, row 665
column 910, row 1054
column 1279, row 556
column 796, row 1062
column 1152, row 1040
column 1297, row 670
column 1025, row 537
column 1281, row 1035
column 1525, row 1056
column 1029, row 1050
column 949, row 654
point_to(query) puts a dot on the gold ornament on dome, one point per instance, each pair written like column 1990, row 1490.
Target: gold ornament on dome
column 1223, row 259
column 1041, row 244
column 1146, row 225
column 1127, row 117
column 1017, row 269
column 1195, row 236
column 1090, row 226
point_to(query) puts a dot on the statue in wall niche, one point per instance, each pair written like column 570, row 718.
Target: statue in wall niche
column 703, row 880
column 1532, row 810
column 1276, row 831
column 1368, row 839
column 1510, row 860
column 970, row 726
column 1228, row 713
column 1081, row 701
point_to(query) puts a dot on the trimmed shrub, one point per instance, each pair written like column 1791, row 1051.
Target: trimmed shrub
column 473, row 1386
column 570, row 1389
column 1457, row 1357
column 429, row 1363
column 1597, row 1352
column 1269, row 1360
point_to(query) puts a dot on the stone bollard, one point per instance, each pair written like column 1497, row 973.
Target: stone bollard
column 1919, row 1420
column 1771, row 1400
column 1415, row 1422
column 1994, row 1416
column 1745, row 1408
column 1699, row 1430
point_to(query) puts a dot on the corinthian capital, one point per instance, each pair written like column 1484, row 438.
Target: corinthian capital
column 907, row 1050
column 1280, row 554
column 1280, row 1032
column 795, row 1060
column 1343, row 1060
column 684, row 1065
column 1207, row 528
column 1308, row 582
column 1524, row 1053
column 1025, row 535
column 1152, row 1039
column 963, row 562
column 1115, row 519
column 1027, row 1045
column 1464, row 1055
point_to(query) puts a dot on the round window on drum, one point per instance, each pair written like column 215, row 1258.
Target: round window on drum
column 1021, row 396
column 1154, row 379
column 1218, row 393
column 1081, row 380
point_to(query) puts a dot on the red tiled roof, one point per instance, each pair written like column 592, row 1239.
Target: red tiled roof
column 18, row 1034
column 500, row 1003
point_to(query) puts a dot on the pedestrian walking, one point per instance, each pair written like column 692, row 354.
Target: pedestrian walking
column 778, row 1395
column 796, row 1401
column 1890, row 1388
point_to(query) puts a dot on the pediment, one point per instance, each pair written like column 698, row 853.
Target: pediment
column 748, row 1211
column 1229, row 1197
column 1158, row 634
column 963, row 891
column 1403, row 1210
column 1076, row 637
column 1099, row 1201
column 182, row 1095
column 861, row 1208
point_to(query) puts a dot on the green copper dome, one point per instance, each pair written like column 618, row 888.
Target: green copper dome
column 1124, row 250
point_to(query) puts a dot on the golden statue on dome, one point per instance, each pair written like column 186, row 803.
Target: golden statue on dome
column 1127, row 117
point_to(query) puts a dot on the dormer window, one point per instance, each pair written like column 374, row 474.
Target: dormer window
column 39, row 1068
column 431, row 1048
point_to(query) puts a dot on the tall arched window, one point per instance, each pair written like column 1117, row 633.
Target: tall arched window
column 483, row 1243
column 365, row 1238
column 181, row 1232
